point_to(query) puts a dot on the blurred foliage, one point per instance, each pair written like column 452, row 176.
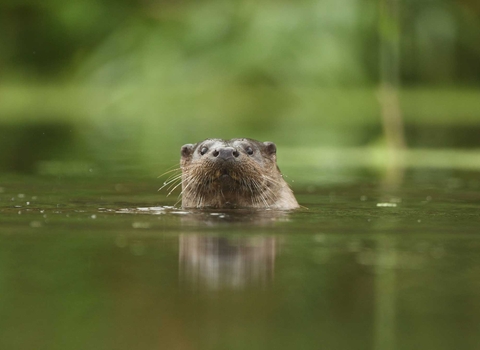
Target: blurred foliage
column 136, row 79
column 305, row 42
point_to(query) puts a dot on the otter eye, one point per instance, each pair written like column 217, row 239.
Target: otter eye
column 203, row 150
column 249, row 150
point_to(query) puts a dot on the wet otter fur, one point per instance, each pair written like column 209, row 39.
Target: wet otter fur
column 236, row 173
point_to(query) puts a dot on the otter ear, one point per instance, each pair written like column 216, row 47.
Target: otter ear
column 187, row 150
column 270, row 148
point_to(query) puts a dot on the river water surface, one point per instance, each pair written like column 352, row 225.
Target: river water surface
column 112, row 264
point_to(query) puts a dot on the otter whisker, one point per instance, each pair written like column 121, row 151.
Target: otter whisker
column 270, row 194
column 173, row 189
column 262, row 197
column 251, row 185
column 166, row 183
column 188, row 181
column 172, row 176
column 169, row 171
column 271, row 180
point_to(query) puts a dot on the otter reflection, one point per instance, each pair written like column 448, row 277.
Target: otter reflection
column 219, row 262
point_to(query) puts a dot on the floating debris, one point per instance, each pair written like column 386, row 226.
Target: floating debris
column 180, row 212
column 388, row 205
column 142, row 210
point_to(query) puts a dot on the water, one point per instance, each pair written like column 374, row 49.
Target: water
column 106, row 263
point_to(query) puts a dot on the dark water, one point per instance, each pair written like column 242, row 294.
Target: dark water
column 108, row 264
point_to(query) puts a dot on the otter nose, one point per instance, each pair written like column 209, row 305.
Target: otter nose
column 225, row 153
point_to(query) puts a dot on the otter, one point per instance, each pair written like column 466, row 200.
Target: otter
column 236, row 173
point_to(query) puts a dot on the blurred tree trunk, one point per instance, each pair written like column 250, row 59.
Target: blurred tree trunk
column 392, row 122
column 385, row 279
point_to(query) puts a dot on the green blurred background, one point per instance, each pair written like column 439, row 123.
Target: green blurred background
column 96, row 99
column 118, row 86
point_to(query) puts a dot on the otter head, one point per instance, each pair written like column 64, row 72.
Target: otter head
column 233, row 173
